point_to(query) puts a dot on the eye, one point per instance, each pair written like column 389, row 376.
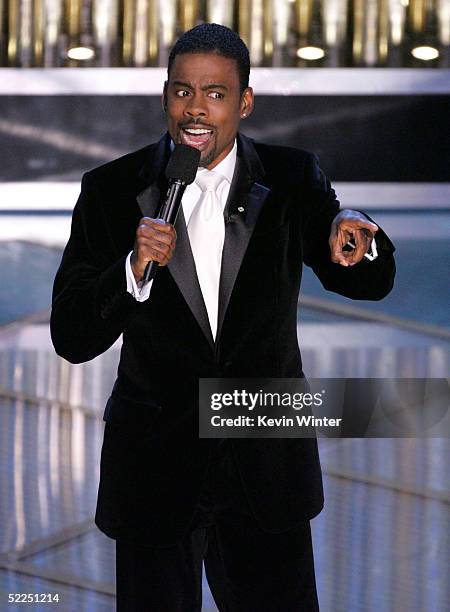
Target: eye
column 182, row 93
column 216, row 95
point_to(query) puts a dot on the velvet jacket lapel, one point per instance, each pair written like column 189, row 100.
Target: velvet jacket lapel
column 244, row 204
column 242, row 209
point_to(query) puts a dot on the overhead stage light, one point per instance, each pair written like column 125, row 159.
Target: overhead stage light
column 425, row 53
column 81, row 53
column 310, row 53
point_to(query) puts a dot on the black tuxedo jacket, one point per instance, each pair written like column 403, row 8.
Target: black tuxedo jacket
column 153, row 462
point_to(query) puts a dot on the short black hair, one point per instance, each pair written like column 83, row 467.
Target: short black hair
column 214, row 38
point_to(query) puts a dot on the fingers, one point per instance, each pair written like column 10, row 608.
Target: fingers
column 338, row 239
column 372, row 227
column 350, row 225
column 157, row 238
column 155, row 241
column 147, row 251
column 157, row 223
column 157, row 229
column 351, row 220
column 362, row 239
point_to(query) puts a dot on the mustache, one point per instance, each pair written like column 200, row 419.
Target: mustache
column 196, row 124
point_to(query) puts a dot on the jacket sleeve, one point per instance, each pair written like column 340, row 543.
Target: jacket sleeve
column 90, row 303
column 366, row 280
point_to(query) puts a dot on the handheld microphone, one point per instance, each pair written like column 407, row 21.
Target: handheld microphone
column 180, row 172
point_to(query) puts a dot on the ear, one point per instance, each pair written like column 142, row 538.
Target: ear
column 247, row 102
column 164, row 97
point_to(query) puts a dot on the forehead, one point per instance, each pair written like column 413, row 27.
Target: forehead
column 201, row 68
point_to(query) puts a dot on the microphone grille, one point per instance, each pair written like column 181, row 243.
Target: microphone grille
column 183, row 164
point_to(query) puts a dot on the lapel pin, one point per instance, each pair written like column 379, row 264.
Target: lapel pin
column 241, row 209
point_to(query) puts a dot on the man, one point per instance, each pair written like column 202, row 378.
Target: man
column 223, row 304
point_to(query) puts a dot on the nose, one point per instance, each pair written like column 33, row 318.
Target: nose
column 196, row 107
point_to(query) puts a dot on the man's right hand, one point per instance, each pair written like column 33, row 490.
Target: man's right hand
column 155, row 241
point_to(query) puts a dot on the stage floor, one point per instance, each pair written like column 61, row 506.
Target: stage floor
column 381, row 544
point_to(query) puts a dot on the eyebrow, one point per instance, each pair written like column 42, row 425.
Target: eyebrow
column 204, row 88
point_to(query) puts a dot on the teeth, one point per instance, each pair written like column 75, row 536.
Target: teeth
column 197, row 131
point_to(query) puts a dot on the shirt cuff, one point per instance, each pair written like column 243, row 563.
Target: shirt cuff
column 139, row 292
column 372, row 253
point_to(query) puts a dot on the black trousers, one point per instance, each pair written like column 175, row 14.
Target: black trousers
column 248, row 570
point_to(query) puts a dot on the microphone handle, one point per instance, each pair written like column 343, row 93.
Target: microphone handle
column 168, row 213
column 150, row 271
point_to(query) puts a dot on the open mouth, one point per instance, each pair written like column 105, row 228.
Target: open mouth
column 195, row 137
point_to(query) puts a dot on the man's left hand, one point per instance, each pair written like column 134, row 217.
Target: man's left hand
column 350, row 225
